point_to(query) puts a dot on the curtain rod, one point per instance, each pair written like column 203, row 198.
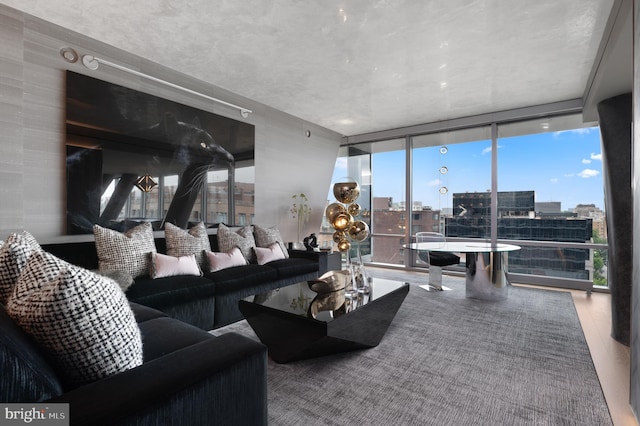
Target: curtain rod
column 93, row 63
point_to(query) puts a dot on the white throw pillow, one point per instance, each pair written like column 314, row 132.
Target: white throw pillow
column 269, row 254
column 267, row 236
column 220, row 261
column 14, row 254
column 163, row 265
column 243, row 239
column 128, row 252
column 183, row 243
column 82, row 320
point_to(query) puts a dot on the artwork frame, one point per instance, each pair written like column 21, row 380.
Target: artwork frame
column 117, row 136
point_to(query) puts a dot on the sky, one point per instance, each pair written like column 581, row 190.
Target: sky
column 558, row 166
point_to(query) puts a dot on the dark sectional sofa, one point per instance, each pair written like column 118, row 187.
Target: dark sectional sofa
column 210, row 301
column 189, row 377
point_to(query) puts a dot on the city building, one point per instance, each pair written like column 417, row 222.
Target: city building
column 517, row 221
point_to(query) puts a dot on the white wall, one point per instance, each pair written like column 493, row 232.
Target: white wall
column 32, row 130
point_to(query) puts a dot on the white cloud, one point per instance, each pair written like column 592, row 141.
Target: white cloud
column 586, row 161
column 588, row 173
column 488, row 149
column 597, row 157
column 581, row 131
column 435, row 182
column 554, row 180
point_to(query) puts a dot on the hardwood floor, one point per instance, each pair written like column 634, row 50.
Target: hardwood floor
column 611, row 359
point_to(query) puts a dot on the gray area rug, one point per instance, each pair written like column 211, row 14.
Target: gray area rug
column 449, row 360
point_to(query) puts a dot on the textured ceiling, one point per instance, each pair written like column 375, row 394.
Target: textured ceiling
column 361, row 65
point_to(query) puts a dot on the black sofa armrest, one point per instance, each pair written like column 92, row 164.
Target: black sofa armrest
column 221, row 380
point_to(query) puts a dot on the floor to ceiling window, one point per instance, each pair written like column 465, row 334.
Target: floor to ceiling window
column 388, row 190
column 555, row 166
column 448, row 169
column 547, row 177
column 380, row 170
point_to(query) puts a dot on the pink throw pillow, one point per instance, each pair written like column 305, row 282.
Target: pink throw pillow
column 163, row 265
column 220, row 261
column 269, row 254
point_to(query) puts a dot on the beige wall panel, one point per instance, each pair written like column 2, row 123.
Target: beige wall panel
column 303, row 165
column 11, row 128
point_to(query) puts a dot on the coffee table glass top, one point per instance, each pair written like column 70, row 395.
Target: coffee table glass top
column 299, row 299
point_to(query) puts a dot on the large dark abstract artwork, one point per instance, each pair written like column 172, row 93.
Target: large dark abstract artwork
column 117, row 136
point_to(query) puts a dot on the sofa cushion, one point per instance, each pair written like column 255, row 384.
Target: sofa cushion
column 218, row 261
column 129, row 252
column 266, row 236
column 170, row 291
column 26, row 373
column 163, row 265
column 269, row 254
column 144, row 313
column 243, row 239
column 287, row 268
column 241, row 277
column 164, row 335
column 14, row 255
column 183, row 243
column 81, row 319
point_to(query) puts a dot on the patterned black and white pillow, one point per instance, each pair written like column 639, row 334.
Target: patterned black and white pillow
column 267, row 236
column 243, row 239
column 122, row 278
column 14, row 255
column 81, row 319
column 128, row 252
column 184, row 243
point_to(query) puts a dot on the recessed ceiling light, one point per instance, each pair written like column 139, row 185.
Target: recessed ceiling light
column 69, row 55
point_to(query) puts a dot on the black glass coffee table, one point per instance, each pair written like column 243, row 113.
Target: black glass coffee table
column 297, row 323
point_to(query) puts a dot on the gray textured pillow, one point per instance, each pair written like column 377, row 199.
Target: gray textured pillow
column 14, row 255
column 182, row 243
column 81, row 319
column 267, row 236
column 243, row 239
column 128, row 252
column 122, row 278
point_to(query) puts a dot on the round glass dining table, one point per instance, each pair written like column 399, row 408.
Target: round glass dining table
column 486, row 265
